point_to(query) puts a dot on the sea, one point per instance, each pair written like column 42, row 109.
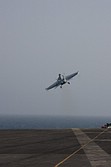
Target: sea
column 51, row 122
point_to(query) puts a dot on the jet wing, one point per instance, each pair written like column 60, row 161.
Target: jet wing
column 55, row 84
column 68, row 77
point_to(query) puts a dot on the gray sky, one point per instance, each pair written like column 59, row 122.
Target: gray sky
column 41, row 38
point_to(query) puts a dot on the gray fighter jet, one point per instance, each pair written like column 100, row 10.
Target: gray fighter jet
column 62, row 80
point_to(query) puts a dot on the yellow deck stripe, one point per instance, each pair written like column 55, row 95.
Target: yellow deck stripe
column 61, row 162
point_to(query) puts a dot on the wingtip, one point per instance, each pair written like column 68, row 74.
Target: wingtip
column 46, row 89
column 77, row 72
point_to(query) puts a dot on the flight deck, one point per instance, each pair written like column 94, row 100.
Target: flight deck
column 55, row 148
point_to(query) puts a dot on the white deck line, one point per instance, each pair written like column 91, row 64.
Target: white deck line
column 95, row 154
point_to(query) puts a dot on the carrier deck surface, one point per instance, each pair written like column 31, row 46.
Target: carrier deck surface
column 55, row 147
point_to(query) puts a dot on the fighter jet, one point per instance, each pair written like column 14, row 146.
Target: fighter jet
column 61, row 80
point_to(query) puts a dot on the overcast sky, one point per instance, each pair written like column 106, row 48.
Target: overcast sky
column 40, row 39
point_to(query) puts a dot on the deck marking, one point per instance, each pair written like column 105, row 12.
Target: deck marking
column 95, row 154
column 82, row 147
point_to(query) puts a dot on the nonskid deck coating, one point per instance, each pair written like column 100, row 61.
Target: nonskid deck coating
column 54, row 147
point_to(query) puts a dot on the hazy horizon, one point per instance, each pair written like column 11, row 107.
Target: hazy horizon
column 40, row 39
